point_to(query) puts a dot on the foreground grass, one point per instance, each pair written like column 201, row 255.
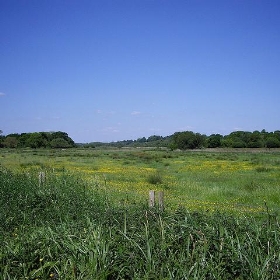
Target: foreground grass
column 68, row 228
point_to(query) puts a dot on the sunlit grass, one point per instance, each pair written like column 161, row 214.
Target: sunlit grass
column 89, row 219
column 230, row 181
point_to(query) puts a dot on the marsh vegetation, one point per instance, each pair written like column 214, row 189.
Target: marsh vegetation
column 89, row 218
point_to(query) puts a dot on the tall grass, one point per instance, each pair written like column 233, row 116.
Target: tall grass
column 70, row 229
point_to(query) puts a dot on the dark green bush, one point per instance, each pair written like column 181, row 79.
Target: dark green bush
column 155, row 178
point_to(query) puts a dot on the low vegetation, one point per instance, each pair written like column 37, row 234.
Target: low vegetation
column 87, row 215
column 227, row 180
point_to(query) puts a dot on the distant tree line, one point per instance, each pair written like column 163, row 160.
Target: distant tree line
column 57, row 139
column 190, row 140
column 179, row 140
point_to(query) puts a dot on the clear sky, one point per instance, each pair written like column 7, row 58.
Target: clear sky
column 124, row 69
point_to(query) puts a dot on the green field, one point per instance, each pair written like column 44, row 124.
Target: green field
column 224, row 180
column 89, row 217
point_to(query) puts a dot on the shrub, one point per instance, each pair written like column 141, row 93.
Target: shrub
column 155, row 178
column 263, row 169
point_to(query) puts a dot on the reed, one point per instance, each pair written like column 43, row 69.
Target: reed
column 68, row 228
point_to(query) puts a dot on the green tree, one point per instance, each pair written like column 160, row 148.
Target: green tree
column 187, row 140
column 10, row 142
column 1, row 139
column 154, row 138
column 255, row 140
column 23, row 140
column 214, row 140
column 63, row 135
column 276, row 133
column 59, row 143
column 141, row 140
column 237, row 139
column 36, row 140
column 272, row 142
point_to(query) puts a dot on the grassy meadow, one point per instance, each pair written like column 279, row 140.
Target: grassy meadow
column 233, row 181
column 89, row 219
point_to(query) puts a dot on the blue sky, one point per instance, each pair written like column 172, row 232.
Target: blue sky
column 123, row 69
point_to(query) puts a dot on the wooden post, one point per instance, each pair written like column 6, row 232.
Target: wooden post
column 160, row 201
column 151, row 198
column 42, row 178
